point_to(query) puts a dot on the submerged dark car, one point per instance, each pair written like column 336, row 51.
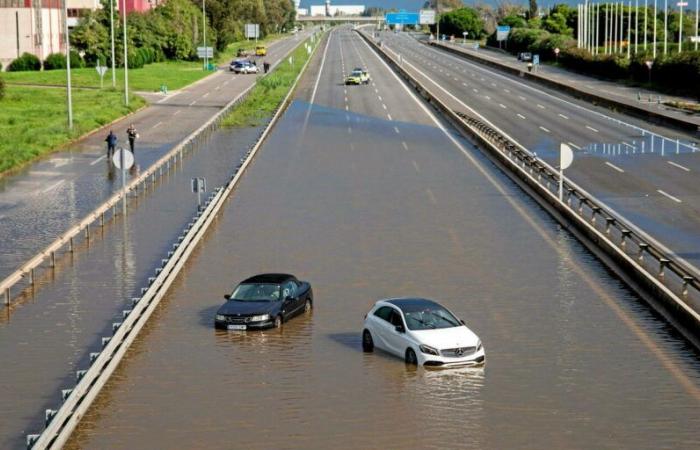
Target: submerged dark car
column 264, row 301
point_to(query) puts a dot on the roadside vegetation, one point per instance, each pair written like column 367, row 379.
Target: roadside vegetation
column 267, row 94
column 543, row 33
column 33, row 120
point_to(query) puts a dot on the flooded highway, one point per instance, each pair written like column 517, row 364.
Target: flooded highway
column 362, row 192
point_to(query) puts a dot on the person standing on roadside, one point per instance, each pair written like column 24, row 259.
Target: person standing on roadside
column 266, row 66
column 111, row 143
column 132, row 135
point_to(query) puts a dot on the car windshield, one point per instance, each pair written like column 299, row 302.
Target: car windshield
column 256, row 293
column 429, row 318
column 356, row 73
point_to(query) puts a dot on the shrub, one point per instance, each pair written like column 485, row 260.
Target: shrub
column 25, row 63
column 2, row 88
column 76, row 61
column 55, row 61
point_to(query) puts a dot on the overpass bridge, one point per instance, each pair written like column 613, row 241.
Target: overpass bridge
column 340, row 19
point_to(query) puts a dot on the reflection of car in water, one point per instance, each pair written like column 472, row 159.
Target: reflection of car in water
column 358, row 76
column 422, row 332
column 264, row 301
column 243, row 66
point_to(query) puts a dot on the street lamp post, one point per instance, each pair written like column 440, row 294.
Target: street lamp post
column 464, row 37
column 126, row 60
column 437, row 20
column 204, row 26
column 111, row 32
column 69, row 99
column 680, row 27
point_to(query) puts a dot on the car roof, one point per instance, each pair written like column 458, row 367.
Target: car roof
column 411, row 304
column 273, row 278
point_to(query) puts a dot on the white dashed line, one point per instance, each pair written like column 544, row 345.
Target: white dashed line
column 405, row 146
column 609, row 164
column 383, row 106
column 544, row 129
column 475, row 90
column 205, row 95
column 521, row 97
column 396, row 129
column 667, row 195
column 349, row 130
column 574, row 146
column 53, row 186
column 177, row 112
column 592, row 129
column 540, row 106
column 193, row 102
column 679, row 166
column 502, row 106
column 507, row 91
column 157, row 125
column 521, row 116
column 380, row 98
column 563, row 116
column 98, row 160
column 347, row 108
column 415, row 165
column 487, row 97
column 431, row 196
column 388, row 116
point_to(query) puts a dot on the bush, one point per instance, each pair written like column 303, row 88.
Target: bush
column 55, row 61
column 2, row 88
column 25, row 63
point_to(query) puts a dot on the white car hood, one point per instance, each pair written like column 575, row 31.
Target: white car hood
column 444, row 338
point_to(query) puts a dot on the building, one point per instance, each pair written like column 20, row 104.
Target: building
column 329, row 10
column 36, row 26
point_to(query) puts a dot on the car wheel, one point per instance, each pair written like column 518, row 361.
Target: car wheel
column 411, row 358
column 367, row 342
column 278, row 322
column 308, row 306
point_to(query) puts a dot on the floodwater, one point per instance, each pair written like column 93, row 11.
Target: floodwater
column 574, row 359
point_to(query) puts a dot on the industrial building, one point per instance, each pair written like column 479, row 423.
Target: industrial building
column 328, row 10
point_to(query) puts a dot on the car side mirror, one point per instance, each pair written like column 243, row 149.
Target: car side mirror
column 227, row 296
column 400, row 329
column 462, row 322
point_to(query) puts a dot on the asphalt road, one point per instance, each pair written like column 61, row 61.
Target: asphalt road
column 364, row 193
column 648, row 174
column 45, row 199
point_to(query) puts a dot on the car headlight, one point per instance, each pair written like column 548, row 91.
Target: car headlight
column 260, row 318
column 220, row 317
column 479, row 346
column 429, row 350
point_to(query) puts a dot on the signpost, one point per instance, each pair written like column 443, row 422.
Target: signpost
column 402, row 18
column 101, row 71
column 536, row 60
column 649, row 63
column 502, row 32
column 464, row 37
column 123, row 159
column 205, row 52
column 566, row 157
column 252, row 31
column 199, row 185
column 426, row 17
column 556, row 54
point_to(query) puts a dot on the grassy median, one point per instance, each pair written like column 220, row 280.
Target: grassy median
column 269, row 91
column 33, row 120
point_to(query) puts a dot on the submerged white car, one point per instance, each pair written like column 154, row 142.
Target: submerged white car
column 421, row 332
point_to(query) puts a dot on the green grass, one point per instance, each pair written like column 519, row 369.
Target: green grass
column 267, row 94
column 33, row 120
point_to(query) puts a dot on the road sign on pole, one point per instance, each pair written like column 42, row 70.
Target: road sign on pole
column 426, row 17
column 502, row 32
column 123, row 159
column 199, row 185
column 252, row 31
column 205, row 52
column 101, row 71
column 566, row 157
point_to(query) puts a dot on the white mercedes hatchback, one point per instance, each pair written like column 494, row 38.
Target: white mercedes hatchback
column 421, row 332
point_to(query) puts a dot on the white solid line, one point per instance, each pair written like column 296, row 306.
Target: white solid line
column 665, row 194
column 396, row 129
column 679, row 166
column 574, row 146
column 544, row 129
column 320, row 71
column 53, row 186
column 521, row 116
column 607, row 163
column 502, row 106
column 563, row 116
column 415, row 164
column 177, row 112
column 487, row 97
column 540, row 106
column 157, row 125
column 98, row 160
column 592, row 129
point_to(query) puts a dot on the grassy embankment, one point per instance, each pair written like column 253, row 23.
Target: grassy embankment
column 267, row 94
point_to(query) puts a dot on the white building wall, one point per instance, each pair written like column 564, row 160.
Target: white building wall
column 28, row 33
column 345, row 10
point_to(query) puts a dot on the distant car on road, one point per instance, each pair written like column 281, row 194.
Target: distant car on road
column 260, row 50
column 264, row 301
column 524, row 56
column 243, row 66
column 358, row 76
column 422, row 332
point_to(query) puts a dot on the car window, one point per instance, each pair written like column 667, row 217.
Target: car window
column 383, row 313
column 395, row 318
column 289, row 289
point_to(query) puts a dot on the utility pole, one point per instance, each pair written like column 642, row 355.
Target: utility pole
column 665, row 26
column 697, row 19
column 645, row 24
column 680, row 27
column 437, row 20
column 126, row 61
column 204, row 26
column 654, row 41
column 111, row 31
column 636, row 25
column 69, row 99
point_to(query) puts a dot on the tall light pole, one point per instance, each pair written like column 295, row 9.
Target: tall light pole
column 69, row 98
column 204, row 26
column 111, row 32
column 697, row 19
column 437, row 20
column 126, row 61
column 654, row 41
column 636, row 25
column 629, row 29
column 645, row 24
column 597, row 28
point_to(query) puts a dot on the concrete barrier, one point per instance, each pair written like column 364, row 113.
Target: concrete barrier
column 669, row 285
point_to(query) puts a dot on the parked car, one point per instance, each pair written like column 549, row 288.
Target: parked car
column 243, row 66
column 260, row 50
column 264, row 301
column 524, row 56
column 422, row 332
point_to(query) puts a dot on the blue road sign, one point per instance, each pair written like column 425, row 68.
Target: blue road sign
column 535, row 59
column 402, row 18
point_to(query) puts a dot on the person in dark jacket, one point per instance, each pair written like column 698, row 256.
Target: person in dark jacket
column 132, row 135
column 111, row 143
column 266, row 66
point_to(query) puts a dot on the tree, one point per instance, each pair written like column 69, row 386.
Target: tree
column 513, row 21
column 556, row 23
column 460, row 20
column 444, row 5
column 533, row 9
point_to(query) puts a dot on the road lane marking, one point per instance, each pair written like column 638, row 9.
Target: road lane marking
column 487, row 97
column 383, row 106
column 563, row 116
column 323, row 62
column 667, row 195
column 540, row 106
column 592, row 129
column 346, row 99
column 379, row 97
column 389, row 116
column 465, row 84
column 574, row 146
column 396, row 129
column 679, row 166
column 347, row 108
column 608, row 163
column 177, row 112
column 205, row 95
column 53, row 186
column 98, row 160
column 507, row 91
column 349, row 130
column 193, row 102
column 521, row 97
column 217, row 88
column 404, row 145
column 226, row 82
column 157, row 125
column 415, row 164
column 544, row 129
column 502, row 106
column 521, row 116
column 431, row 196
column 475, row 90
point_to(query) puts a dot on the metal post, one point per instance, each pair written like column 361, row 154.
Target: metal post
column 614, row 29
column 605, row 32
column 204, row 26
column 665, row 26
column 437, row 19
column 646, row 13
column 17, row 28
column 69, row 98
column 697, row 20
column 121, row 157
column 629, row 30
column 126, row 66
column 680, row 29
column 653, row 49
column 620, row 28
column 7, row 296
column 597, row 28
column 636, row 25
column 111, row 32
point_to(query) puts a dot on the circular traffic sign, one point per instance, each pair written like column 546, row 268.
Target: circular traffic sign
column 649, row 63
column 556, row 51
column 128, row 158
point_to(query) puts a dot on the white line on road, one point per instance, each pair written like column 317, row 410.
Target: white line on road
column 544, row 129
column 205, row 95
column 521, row 97
column 405, row 146
column 157, row 125
column 177, row 112
column 487, row 97
column 320, row 71
column 465, row 84
column 540, row 106
column 521, row 116
column 383, row 106
column 609, row 164
column 415, row 164
column 388, row 116
column 347, row 108
column 193, row 102
column 380, row 98
column 475, row 90
column 431, row 196
column 349, row 130
column 574, row 146
column 397, row 130
column 679, row 166
column 502, row 106
column 507, row 91
column 592, row 129
column 226, row 82
column 98, row 160
column 667, row 195
column 627, row 144
column 563, row 116
column 53, row 186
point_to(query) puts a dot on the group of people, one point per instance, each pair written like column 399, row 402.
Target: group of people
column 112, row 140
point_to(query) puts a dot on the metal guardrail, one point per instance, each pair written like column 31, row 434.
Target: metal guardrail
column 664, row 274
column 59, row 424
column 169, row 160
